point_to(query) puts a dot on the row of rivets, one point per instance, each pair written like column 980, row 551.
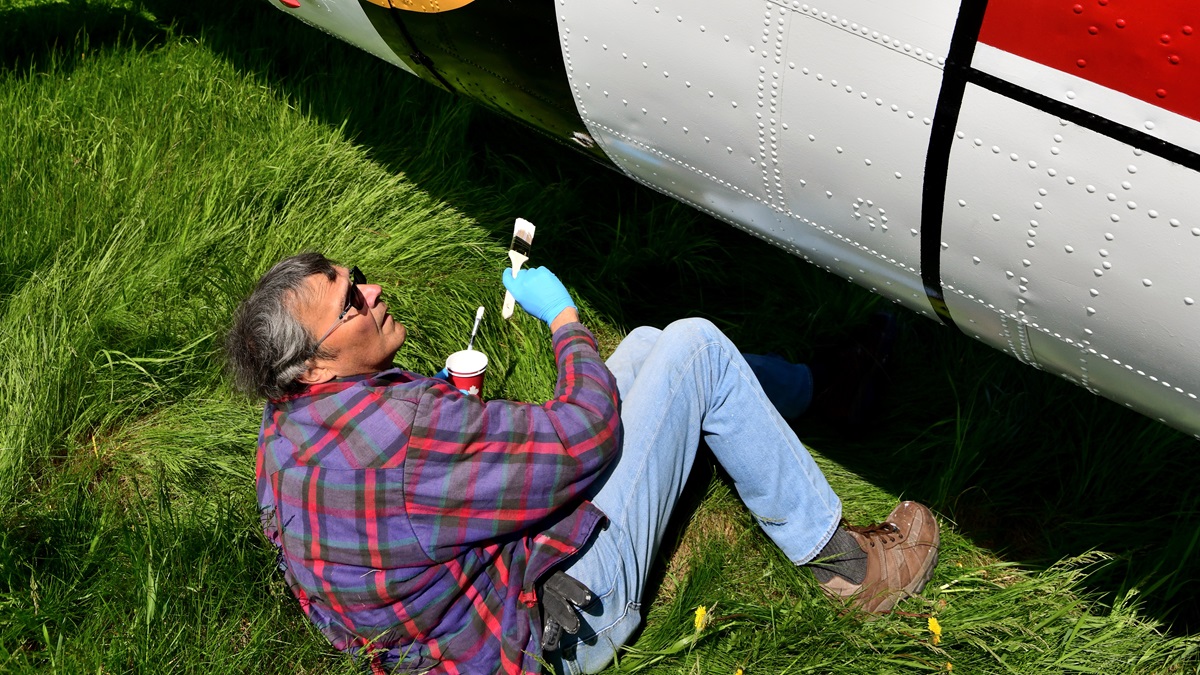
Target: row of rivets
column 863, row 31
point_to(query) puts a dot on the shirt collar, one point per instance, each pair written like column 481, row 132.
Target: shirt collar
column 339, row 384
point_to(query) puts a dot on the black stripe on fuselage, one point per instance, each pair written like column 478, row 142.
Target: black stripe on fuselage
column 955, row 76
column 1101, row 125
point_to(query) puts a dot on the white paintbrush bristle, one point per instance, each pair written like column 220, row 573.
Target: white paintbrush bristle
column 522, row 225
column 522, row 239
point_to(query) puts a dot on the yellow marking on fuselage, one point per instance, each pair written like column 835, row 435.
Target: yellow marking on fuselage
column 426, row 6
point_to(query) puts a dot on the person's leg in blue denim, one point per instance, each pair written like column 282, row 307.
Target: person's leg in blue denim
column 788, row 385
column 677, row 386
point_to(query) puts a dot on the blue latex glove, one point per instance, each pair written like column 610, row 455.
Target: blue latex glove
column 538, row 292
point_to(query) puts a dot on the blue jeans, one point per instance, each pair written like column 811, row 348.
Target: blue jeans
column 677, row 385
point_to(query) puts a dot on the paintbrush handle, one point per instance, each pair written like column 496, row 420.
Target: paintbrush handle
column 475, row 328
column 510, row 302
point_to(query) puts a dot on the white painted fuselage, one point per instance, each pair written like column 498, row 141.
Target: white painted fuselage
column 1045, row 212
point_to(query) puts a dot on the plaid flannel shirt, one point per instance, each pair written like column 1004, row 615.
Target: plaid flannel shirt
column 415, row 519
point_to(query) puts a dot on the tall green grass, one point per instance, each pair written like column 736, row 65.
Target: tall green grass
column 158, row 157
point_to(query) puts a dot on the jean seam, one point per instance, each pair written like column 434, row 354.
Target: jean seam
column 833, row 527
column 671, row 394
column 636, row 605
column 574, row 665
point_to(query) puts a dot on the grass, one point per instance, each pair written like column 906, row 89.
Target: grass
column 158, row 157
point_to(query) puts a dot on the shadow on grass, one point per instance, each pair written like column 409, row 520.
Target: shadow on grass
column 1026, row 465
column 1036, row 469
column 33, row 37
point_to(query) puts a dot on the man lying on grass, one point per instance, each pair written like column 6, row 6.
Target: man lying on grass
column 424, row 528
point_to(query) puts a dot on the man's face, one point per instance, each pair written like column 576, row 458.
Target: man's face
column 366, row 338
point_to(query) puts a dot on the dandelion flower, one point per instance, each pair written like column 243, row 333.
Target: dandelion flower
column 737, row 672
column 935, row 629
column 949, row 667
column 701, row 619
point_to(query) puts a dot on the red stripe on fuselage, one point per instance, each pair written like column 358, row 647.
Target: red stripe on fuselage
column 1148, row 50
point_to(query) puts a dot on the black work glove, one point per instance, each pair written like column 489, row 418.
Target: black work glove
column 560, row 597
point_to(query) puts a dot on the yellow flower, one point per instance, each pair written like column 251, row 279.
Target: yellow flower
column 949, row 667
column 701, row 619
column 737, row 672
column 936, row 629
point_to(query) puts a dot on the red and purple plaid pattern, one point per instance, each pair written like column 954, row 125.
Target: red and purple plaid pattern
column 414, row 520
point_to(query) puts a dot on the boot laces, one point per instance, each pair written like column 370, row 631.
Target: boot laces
column 886, row 532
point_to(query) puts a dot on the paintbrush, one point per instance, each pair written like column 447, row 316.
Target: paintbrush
column 518, row 253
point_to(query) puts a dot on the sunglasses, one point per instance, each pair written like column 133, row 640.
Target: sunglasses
column 354, row 300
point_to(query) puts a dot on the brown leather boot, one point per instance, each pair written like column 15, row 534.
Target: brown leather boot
column 901, row 554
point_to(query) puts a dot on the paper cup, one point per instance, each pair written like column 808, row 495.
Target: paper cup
column 466, row 370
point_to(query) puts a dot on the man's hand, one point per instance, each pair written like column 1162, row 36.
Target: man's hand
column 560, row 597
column 538, row 292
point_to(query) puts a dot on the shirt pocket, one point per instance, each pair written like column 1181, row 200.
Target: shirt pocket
column 352, row 517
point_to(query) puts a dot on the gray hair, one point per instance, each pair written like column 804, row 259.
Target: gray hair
column 267, row 347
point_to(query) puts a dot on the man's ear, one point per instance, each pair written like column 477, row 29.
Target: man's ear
column 315, row 374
